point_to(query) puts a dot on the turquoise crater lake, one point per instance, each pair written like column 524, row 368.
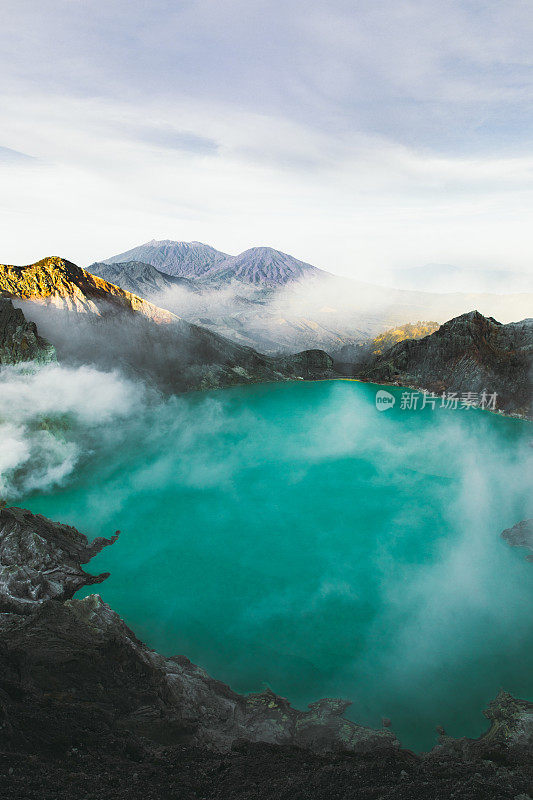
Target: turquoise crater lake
column 292, row 535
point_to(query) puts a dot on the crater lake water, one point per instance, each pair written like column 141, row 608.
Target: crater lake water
column 291, row 535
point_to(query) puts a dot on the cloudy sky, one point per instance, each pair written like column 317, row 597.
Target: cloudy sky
column 357, row 135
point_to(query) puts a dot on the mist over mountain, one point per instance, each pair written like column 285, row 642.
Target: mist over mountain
column 56, row 282
column 140, row 278
column 276, row 303
column 91, row 321
column 451, row 278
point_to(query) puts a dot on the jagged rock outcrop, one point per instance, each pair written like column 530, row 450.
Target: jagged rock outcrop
column 19, row 340
column 92, row 321
column 87, row 710
column 509, row 738
column 520, row 535
column 40, row 560
column 467, row 354
column 73, row 647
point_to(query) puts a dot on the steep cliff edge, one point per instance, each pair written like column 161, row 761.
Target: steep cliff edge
column 469, row 353
column 19, row 340
column 87, row 710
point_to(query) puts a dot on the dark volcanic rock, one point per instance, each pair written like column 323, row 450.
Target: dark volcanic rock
column 40, row 560
column 87, row 710
column 81, row 645
column 467, row 354
column 19, row 340
column 509, row 739
column 520, row 535
column 309, row 364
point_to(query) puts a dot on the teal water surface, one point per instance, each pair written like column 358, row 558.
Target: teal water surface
column 291, row 535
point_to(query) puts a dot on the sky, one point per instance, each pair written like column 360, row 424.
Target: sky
column 356, row 135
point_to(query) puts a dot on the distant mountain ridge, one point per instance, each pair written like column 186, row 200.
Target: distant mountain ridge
column 276, row 303
column 90, row 320
column 259, row 266
column 180, row 259
column 140, row 278
column 263, row 266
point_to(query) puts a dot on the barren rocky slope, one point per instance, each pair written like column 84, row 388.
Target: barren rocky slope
column 181, row 259
column 87, row 710
column 140, row 278
column 467, row 354
column 362, row 352
column 19, row 340
column 92, row 321
column 57, row 282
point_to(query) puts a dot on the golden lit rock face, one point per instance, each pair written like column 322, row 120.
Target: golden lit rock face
column 416, row 330
column 58, row 282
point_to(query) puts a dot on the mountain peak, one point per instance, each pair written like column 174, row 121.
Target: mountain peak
column 264, row 266
column 57, row 281
column 261, row 266
column 179, row 259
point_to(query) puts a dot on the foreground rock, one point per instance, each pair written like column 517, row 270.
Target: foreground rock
column 72, row 648
column 19, row 340
column 41, row 560
column 520, row 535
column 87, row 710
column 467, row 354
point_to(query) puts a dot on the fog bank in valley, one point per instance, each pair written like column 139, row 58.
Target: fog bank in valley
column 323, row 312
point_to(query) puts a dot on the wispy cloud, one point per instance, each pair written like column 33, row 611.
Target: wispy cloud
column 353, row 136
column 9, row 156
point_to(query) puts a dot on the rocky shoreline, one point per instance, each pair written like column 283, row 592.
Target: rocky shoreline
column 470, row 353
column 87, row 710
